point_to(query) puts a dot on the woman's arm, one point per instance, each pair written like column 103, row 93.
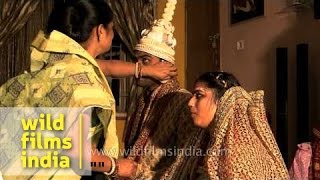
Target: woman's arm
column 119, row 69
column 124, row 167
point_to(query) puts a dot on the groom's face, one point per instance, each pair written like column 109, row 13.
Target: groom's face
column 147, row 60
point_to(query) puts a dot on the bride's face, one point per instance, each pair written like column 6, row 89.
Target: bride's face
column 203, row 105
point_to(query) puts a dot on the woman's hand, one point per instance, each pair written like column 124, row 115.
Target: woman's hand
column 127, row 168
column 160, row 71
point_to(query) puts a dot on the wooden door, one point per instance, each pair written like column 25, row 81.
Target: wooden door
column 202, row 37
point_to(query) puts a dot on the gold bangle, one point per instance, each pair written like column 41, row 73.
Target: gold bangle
column 140, row 73
column 136, row 70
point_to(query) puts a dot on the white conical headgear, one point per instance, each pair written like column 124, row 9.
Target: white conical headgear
column 158, row 40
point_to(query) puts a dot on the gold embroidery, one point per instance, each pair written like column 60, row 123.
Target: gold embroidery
column 241, row 129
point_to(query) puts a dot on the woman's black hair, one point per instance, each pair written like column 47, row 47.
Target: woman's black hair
column 77, row 18
column 219, row 81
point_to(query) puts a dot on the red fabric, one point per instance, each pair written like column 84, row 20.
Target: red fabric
column 316, row 154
